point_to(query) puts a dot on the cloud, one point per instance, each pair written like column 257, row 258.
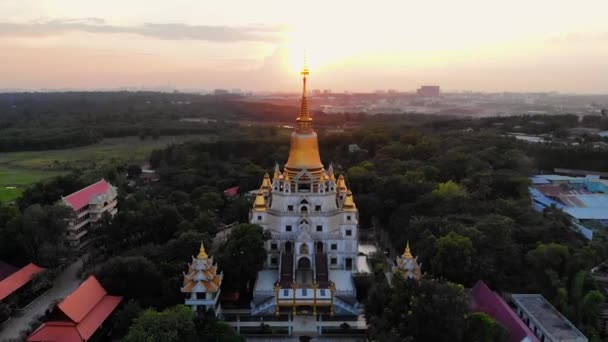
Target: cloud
column 165, row 31
column 580, row 37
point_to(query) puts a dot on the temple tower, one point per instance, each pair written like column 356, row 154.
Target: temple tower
column 407, row 264
column 202, row 283
column 312, row 219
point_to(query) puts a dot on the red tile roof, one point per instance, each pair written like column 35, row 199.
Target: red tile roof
column 80, row 302
column 231, row 192
column 56, row 332
column 487, row 301
column 16, row 280
column 91, row 322
column 87, row 308
column 82, row 197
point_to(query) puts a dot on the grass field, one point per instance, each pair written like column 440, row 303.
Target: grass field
column 20, row 169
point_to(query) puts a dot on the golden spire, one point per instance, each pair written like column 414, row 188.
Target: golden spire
column 201, row 253
column 266, row 185
column 349, row 203
column 304, row 120
column 341, row 184
column 330, row 172
column 277, row 172
column 285, row 176
column 407, row 253
column 260, row 202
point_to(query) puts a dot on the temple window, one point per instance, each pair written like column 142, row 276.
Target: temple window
column 259, row 217
column 304, row 249
column 274, row 246
column 317, row 208
column 288, row 228
column 348, row 217
column 304, row 292
column 273, row 261
column 322, row 292
column 349, row 232
column 285, row 293
column 290, row 207
column 334, row 261
column 319, row 228
column 334, row 246
column 304, row 209
column 304, row 187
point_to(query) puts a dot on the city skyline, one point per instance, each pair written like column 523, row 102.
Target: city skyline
column 473, row 45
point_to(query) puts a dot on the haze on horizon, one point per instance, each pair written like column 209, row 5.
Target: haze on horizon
column 480, row 45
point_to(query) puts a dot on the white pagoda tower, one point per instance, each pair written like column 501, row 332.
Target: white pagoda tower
column 312, row 220
column 202, row 283
column 407, row 265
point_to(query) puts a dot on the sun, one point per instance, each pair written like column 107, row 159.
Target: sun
column 317, row 45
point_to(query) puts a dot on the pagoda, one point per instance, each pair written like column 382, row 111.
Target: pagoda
column 407, row 265
column 312, row 220
column 202, row 283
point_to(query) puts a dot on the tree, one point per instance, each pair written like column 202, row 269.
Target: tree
column 411, row 310
column 242, row 255
column 449, row 190
column 132, row 277
column 482, row 328
column 453, row 258
column 122, row 320
column 175, row 324
column 133, row 171
column 41, row 233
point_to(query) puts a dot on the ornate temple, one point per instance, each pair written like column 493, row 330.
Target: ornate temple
column 312, row 219
column 202, row 283
column 407, row 264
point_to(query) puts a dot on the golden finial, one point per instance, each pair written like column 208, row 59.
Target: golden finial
column 277, row 172
column 407, row 253
column 201, row 253
column 266, row 185
column 304, row 120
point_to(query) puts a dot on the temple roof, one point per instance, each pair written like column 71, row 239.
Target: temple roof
column 202, row 274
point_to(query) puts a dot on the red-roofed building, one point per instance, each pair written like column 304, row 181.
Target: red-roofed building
column 88, row 205
column 17, row 280
column 231, row 192
column 78, row 316
column 487, row 301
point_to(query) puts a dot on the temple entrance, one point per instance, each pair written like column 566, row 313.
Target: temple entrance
column 319, row 247
column 304, row 272
column 288, row 247
column 304, row 264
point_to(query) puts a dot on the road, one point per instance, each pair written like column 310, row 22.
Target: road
column 66, row 282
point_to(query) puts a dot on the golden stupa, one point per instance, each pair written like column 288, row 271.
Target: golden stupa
column 304, row 147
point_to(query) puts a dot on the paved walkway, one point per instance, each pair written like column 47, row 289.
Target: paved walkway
column 64, row 284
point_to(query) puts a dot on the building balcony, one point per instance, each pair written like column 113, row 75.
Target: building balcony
column 99, row 210
column 72, row 226
column 314, row 235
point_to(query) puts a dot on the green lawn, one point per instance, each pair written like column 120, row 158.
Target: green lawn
column 20, row 169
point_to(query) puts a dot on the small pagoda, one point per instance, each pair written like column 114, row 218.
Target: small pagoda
column 202, row 283
column 407, row 265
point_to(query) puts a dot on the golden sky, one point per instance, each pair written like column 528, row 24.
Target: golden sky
column 481, row 45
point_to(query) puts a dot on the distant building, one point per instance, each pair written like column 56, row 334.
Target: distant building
column 407, row 265
column 79, row 315
column 89, row 204
column 489, row 302
column 548, row 324
column 202, row 283
column 583, row 199
column 428, row 91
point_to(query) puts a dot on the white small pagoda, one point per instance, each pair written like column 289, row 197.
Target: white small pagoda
column 202, row 283
column 408, row 265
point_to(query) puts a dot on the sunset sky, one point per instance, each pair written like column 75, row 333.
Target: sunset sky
column 481, row 45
